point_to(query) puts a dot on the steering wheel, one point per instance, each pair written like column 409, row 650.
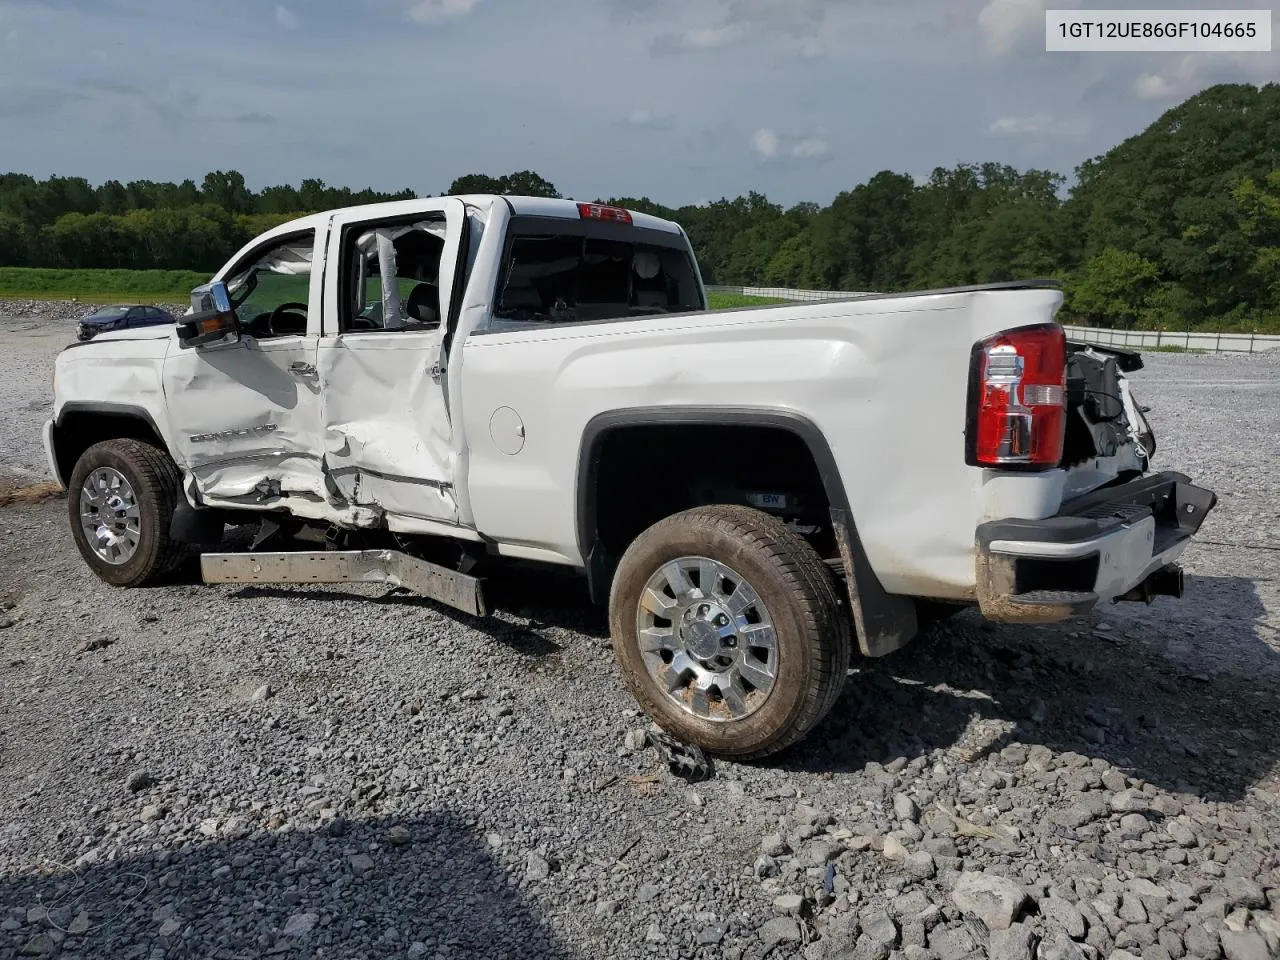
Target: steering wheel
column 279, row 312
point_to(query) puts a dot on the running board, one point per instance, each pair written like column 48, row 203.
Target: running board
column 449, row 587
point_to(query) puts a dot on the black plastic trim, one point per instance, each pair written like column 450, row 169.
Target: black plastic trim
column 602, row 424
column 1127, row 360
column 111, row 409
column 1178, row 505
column 103, row 408
column 884, row 622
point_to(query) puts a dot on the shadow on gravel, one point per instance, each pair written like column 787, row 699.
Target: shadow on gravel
column 290, row 894
column 1126, row 695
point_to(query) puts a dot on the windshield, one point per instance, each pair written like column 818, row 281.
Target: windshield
column 558, row 272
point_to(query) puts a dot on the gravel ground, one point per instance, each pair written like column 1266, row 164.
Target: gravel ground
column 192, row 771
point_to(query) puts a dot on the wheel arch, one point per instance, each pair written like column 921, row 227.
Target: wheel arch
column 81, row 424
column 884, row 622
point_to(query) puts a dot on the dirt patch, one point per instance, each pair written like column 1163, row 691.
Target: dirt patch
column 31, row 493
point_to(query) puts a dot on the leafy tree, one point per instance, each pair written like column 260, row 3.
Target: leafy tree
column 1178, row 226
column 526, row 183
column 1113, row 288
column 226, row 190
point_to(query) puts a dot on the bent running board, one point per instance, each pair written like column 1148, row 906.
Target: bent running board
column 449, row 587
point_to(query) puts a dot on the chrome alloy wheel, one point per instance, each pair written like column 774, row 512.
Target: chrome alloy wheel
column 109, row 515
column 707, row 639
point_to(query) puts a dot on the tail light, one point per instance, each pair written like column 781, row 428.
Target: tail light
column 1017, row 414
column 600, row 211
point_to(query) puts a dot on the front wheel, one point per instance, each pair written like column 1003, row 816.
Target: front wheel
column 728, row 630
column 121, row 499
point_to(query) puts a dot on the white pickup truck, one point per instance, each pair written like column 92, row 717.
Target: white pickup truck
column 422, row 387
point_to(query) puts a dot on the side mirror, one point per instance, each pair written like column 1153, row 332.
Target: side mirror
column 213, row 320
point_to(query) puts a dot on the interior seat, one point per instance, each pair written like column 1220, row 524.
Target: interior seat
column 423, row 305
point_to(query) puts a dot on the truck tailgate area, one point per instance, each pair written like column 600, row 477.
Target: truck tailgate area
column 1114, row 543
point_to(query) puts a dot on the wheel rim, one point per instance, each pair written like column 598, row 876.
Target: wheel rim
column 707, row 639
column 109, row 515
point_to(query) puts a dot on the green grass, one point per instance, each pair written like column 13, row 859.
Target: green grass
column 174, row 286
column 1170, row 348
column 100, row 286
column 734, row 301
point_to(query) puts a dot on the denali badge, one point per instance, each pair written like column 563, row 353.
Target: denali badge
column 233, row 434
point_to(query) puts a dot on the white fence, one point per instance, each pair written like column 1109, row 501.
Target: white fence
column 1138, row 339
column 1155, row 339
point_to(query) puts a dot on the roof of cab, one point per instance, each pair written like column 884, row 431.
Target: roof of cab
column 520, row 206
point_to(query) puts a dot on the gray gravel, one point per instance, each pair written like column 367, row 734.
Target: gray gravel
column 415, row 783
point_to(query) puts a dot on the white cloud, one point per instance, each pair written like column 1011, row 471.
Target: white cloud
column 768, row 144
column 1021, row 126
column 434, row 11
column 1193, row 72
column 1039, row 126
column 1005, row 22
column 286, row 17
column 811, row 148
column 765, row 143
column 649, row 120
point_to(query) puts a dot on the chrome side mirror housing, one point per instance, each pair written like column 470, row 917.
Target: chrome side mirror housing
column 212, row 320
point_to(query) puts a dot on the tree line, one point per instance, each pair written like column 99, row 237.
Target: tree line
column 1178, row 226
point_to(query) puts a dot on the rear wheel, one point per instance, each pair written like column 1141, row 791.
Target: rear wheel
column 728, row 630
column 121, row 499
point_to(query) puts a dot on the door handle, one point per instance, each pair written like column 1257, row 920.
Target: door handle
column 300, row 369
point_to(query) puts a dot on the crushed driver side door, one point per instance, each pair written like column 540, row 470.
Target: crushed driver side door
column 388, row 435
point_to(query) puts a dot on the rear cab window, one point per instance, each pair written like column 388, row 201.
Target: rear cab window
column 557, row 271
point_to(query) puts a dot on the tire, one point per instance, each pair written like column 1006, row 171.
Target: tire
column 795, row 595
column 155, row 484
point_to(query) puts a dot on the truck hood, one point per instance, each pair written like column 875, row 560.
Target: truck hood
column 161, row 331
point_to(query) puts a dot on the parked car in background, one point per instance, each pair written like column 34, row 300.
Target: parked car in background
column 122, row 316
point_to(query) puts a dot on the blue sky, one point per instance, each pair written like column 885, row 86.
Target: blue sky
column 680, row 100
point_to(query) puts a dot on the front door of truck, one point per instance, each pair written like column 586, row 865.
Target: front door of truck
column 388, row 436
column 245, row 415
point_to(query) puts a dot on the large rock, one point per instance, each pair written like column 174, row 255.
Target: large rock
column 1244, row 945
column 995, row 901
column 952, row 943
column 779, row 930
column 1243, row 892
column 1018, row 942
column 1063, row 914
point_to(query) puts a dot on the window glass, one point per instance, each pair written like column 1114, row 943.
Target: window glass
column 272, row 291
column 394, row 279
column 560, row 277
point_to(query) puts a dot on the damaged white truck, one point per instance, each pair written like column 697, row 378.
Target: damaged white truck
column 421, row 389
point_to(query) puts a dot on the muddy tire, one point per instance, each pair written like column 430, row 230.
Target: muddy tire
column 120, row 501
column 728, row 630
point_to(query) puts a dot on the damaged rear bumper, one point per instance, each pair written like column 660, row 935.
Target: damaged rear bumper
column 1118, row 543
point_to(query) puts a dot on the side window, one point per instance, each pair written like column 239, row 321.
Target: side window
column 271, row 291
column 392, row 276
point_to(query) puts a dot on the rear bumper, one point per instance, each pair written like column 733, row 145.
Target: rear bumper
column 1111, row 544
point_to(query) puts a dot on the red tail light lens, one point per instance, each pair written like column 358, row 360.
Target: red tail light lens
column 598, row 211
column 1018, row 399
